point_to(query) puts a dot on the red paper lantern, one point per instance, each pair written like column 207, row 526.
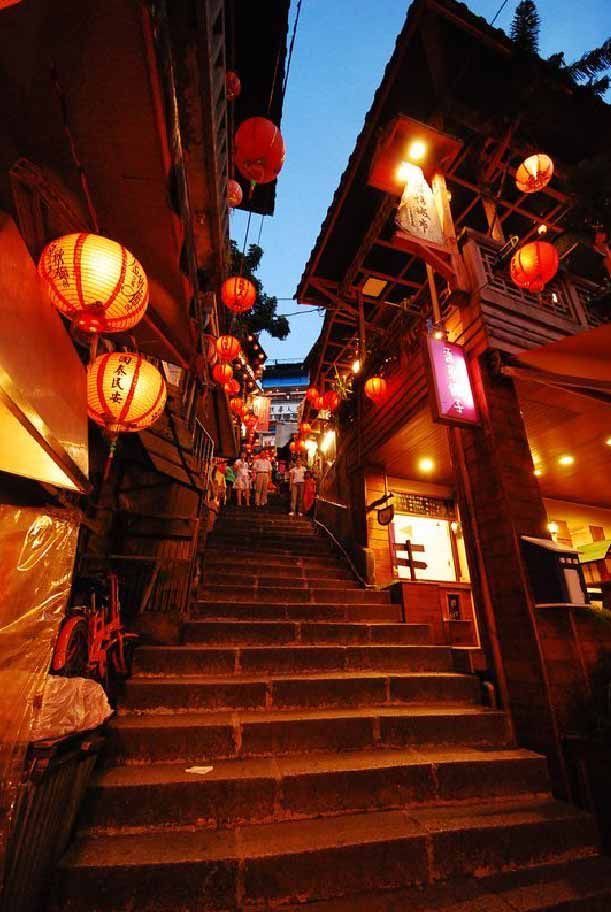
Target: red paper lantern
column 319, row 403
column 250, row 420
column 232, row 387
column 305, row 428
column 311, row 394
column 237, row 406
column 376, row 389
column 124, row 392
column 331, row 400
column 238, row 294
column 222, row 373
column 258, row 150
column 227, row 348
column 233, row 86
column 234, row 194
column 534, row 173
column 534, row 265
column 97, row 283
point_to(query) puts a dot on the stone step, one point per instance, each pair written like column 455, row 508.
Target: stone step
column 201, row 737
column 235, row 592
column 292, row 610
column 281, row 546
column 579, row 885
column 263, row 560
column 307, row 860
column 235, row 792
column 270, row 633
column 256, row 523
column 323, row 691
column 254, row 581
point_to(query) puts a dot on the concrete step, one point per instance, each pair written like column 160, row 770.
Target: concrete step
column 204, row 736
column 294, row 610
column 265, row 560
column 288, row 538
column 308, row 860
column 317, row 633
column 254, row 522
column 235, row 792
column 285, row 659
column 322, row 691
column 254, row 581
column 579, row 885
column 234, row 591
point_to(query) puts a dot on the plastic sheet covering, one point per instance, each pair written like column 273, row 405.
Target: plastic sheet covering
column 69, row 705
column 37, row 550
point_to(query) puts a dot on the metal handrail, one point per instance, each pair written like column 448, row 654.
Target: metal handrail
column 337, row 543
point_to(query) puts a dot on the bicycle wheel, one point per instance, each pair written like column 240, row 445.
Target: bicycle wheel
column 72, row 649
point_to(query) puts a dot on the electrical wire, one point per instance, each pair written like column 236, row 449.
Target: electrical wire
column 499, row 11
column 291, row 46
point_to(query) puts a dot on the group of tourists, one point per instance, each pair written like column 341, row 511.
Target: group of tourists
column 252, row 478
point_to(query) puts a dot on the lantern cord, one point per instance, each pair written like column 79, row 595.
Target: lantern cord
column 61, row 95
column 499, row 11
column 260, row 231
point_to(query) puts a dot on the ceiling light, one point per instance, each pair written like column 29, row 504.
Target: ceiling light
column 608, row 441
column 538, row 472
column 356, row 366
column 426, row 464
column 417, row 150
column 566, row 460
column 552, row 528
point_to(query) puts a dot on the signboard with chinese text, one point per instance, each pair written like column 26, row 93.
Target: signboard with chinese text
column 261, row 408
column 453, row 401
column 417, row 214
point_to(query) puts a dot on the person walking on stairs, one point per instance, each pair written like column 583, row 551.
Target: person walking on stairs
column 296, row 480
column 242, row 481
column 263, row 471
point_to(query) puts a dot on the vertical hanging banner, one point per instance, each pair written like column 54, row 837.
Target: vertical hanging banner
column 452, row 396
column 417, row 214
column 261, row 408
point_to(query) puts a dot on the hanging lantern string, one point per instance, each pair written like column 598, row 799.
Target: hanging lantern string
column 61, row 95
column 260, row 231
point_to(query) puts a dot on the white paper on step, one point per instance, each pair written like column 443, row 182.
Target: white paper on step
column 199, row 770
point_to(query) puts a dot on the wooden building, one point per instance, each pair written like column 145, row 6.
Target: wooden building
column 116, row 121
column 400, row 264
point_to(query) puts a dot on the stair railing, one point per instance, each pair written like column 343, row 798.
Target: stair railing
column 317, row 522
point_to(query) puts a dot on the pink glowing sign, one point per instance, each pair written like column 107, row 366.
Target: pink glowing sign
column 451, row 384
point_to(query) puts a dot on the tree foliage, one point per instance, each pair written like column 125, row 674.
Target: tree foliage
column 263, row 316
column 525, row 27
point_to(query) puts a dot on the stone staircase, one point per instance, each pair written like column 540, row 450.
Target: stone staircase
column 304, row 749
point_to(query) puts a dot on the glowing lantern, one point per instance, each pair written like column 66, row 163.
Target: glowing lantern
column 222, row 373
column 311, row 394
column 534, row 265
column 232, row 387
column 4, row 4
column 376, row 389
column 238, row 294
column 331, row 400
column 97, row 283
column 237, row 406
column 319, row 403
column 233, row 86
column 227, row 348
column 534, row 173
column 124, row 392
column 305, row 428
column 251, row 420
column 259, row 150
column 234, row 194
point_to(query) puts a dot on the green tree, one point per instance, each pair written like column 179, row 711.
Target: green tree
column 525, row 27
column 589, row 70
column 263, row 316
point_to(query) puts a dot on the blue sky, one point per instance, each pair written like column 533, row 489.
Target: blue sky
column 341, row 50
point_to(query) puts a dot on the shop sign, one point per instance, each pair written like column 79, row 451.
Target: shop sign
column 261, row 408
column 453, row 401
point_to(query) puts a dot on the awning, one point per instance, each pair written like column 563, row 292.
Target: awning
column 580, row 363
column 594, row 551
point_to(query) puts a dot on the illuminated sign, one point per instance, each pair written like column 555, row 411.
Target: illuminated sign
column 261, row 408
column 453, row 396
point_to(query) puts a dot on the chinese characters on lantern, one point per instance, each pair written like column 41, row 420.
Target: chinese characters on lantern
column 453, row 396
column 118, row 384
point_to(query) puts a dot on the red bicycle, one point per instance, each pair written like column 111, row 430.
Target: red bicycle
column 92, row 641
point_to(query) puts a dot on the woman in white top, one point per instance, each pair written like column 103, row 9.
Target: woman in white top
column 296, row 479
column 242, row 481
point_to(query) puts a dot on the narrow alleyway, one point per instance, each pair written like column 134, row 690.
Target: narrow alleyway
column 303, row 746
